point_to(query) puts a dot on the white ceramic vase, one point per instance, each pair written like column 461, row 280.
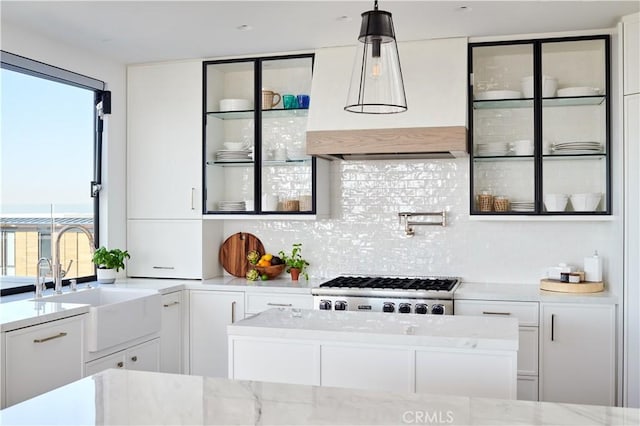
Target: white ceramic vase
column 106, row 276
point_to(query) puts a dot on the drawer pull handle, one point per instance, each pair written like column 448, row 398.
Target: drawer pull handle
column 46, row 339
column 553, row 321
column 163, row 267
column 166, row 305
column 134, row 358
column 120, row 364
column 233, row 312
column 496, row 313
column 280, row 304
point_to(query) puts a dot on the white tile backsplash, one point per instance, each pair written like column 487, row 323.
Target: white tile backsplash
column 364, row 236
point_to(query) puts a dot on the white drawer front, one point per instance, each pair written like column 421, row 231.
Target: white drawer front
column 526, row 312
column 528, row 388
column 258, row 302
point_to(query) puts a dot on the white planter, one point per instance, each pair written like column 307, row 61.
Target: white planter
column 106, row 276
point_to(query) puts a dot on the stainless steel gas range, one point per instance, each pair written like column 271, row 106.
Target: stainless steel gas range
column 404, row 295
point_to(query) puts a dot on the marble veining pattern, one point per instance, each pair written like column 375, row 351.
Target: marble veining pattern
column 136, row 397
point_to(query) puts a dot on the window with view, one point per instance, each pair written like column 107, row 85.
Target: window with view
column 49, row 155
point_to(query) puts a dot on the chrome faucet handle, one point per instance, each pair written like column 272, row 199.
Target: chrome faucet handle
column 73, row 284
column 63, row 272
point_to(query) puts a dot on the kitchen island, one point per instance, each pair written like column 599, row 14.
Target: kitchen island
column 447, row 354
column 136, row 397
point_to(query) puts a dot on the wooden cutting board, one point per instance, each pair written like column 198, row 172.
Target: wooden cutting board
column 233, row 252
column 583, row 287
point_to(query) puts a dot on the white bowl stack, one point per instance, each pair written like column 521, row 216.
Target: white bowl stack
column 492, row 149
column 587, row 202
column 556, row 202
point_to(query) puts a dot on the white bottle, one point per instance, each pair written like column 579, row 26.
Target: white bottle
column 593, row 268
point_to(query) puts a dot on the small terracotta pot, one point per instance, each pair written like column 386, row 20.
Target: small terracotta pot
column 295, row 274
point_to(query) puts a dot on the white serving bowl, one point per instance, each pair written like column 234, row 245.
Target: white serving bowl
column 234, row 146
column 235, row 105
column 587, row 202
column 549, row 86
column 556, row 202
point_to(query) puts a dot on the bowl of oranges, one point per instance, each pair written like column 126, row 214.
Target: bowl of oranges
column 267, row 265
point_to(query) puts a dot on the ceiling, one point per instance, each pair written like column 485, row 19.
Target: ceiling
column 145, row 31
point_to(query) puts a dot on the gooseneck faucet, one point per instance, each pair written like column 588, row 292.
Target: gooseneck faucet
column 58, row 272
column 40, row 283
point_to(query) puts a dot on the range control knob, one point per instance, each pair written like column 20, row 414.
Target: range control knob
column 340, row 305
column 437, row 310
column 325, row 305
column 388, row 307
column 421, row 308
column 404, row 308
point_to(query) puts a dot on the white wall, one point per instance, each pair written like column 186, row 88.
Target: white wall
column 113, row 195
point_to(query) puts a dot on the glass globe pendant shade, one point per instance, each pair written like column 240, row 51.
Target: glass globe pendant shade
column 376, row 80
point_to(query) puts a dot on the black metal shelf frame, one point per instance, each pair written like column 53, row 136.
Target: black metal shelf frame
column 257, row 115
column 538, row 103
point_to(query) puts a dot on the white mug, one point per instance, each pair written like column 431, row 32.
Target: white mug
column 269, row 202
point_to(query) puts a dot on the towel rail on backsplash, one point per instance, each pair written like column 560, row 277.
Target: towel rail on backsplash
column 408, row 224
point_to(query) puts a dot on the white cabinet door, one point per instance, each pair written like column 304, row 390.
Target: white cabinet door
column 43, row 357
column 631, row 40
column 115, row 360
column 279, row 361
column 165, row 248
column 577, row 347
column 528, row 388
column 435, row 79
column 171, row 341
column 209, row 314
column 144, row 357
column 164, row 141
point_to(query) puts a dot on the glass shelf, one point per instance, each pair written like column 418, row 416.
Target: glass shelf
column 277, row 163
column 503, row 103
column 267, row 113
column 597, row 156
column 239, row 163
column 547, row 102
column 573, row 101
column 503, row 158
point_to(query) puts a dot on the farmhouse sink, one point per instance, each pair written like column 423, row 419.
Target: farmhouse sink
column 116, row 315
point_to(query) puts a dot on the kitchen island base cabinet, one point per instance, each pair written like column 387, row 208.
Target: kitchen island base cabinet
column 577, row 347
column 209, row 314
column 43, row 357
column 143, row 357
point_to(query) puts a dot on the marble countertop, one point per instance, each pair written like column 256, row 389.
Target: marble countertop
column 448, row 331
column 137, row 397
column 25, row 313
column 527, row 293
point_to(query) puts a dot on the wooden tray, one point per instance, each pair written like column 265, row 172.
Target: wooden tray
column 583, row 287
column 233, row 252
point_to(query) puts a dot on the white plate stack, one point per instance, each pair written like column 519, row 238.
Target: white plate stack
column 227, row 206
column 492, row 149
column 577, row 147
column 522, row 206
column 230, row 155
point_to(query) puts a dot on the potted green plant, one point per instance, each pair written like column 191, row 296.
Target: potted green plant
column 108, row 262
column 296, row 264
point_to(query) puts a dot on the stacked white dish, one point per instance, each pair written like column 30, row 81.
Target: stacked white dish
column 497, row 94
column 587, row 202
column 577, row 147
column 578, row 91
column 492, row 149
column 232, row 155
column 522, row 206
column 235, row 105
column 226, row 206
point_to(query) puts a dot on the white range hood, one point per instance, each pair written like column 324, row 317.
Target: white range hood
column 434, row 126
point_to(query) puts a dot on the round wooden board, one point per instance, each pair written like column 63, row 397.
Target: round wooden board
column 233, row 252
column 559, row 286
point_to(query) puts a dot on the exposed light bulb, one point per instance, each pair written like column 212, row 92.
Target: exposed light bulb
column 376, row 67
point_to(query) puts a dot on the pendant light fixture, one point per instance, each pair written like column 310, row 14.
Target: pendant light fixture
column 376, row 81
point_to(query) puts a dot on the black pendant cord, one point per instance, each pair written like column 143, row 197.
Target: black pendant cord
column 375, row 5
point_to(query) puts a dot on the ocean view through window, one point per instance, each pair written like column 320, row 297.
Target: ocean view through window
column 48, row 156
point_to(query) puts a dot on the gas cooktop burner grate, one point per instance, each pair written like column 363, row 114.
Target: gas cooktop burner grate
column 389, row 283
